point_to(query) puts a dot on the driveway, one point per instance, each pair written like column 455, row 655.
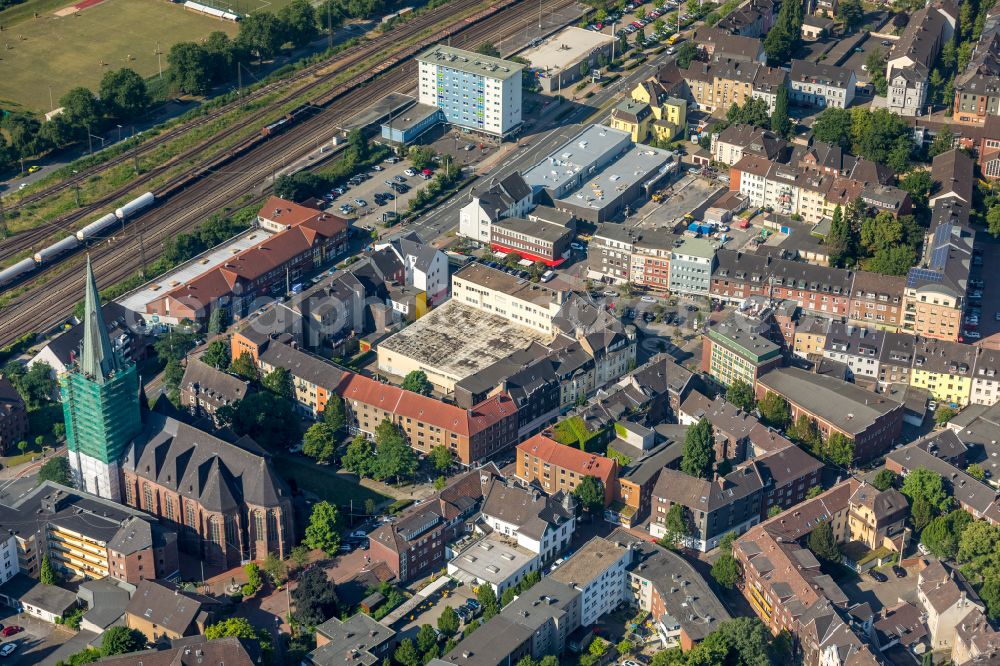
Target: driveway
column 41, row 642
column 880, row 595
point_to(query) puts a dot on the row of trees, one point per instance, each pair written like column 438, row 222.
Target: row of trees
column 783, row 39
column 755, row 112
column 122, row 97
column 881, row 243
column 880, row 135
column 776, row 413
column 388, row 458
column 744, row 641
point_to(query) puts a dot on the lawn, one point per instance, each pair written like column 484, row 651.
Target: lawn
column 57, row 53
column 326, row 484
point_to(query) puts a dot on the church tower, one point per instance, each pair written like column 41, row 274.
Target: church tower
column 100, row 396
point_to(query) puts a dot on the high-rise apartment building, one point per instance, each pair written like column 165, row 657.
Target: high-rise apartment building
column 475, row 92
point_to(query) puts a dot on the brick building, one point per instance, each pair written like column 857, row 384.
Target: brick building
column 554, row 467
column 872, row 421
column 13, row 418
column 472, row 435
column 414, row 545
column 224, row 499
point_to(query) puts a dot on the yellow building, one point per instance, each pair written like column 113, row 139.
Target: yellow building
column 632, row 117
column 670, row 119
column 945, row 369
column 810, row 336
column 82, row 555
column 878, row 518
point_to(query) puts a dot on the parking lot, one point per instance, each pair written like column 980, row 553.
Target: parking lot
column 370, row 214
column 40, row 641
column 429, row 611
column 988, row 304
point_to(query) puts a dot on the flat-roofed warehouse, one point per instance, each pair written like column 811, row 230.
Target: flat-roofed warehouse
column 556, row 60
column 453, row 342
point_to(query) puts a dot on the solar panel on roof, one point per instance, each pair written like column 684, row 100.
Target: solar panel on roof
column 939, row 257
column 917, row 275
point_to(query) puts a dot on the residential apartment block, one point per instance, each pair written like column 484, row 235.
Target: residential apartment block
column 821, row 85
column 556, row 467
column 475, row 92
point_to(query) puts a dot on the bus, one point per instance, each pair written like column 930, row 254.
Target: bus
column 674, row 38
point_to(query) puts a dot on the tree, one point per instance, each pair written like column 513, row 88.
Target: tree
column 740, row 393
column 334, row 413
column 124, row 94
column 360, row 456
column 56, row 470
column 279, row 382
column 677, row 526
column 217, row 354
column 260, row 34
column 943, row 414
column 823, row 544
column 941, row 536
column 315, row 598
column 686, row 54
column 921, row 514
column 774, row 410
column 218, row 321
column 885, row 479
column 881, row 232
column 298, row 22
column 833, row 125
column 299, row 556
column 942, row 143
column 977, row 547
column 448, row 622
column 323, row 530
column 993, row 220
column 35, row 385
column 487, row 49
column 839, row 449
column 244, row 367
column 924, row 484
column 699, row 450
column 46, row 573
column 892, row 261
column 805, row 433
column 190, row 68
column 82, row 111
column 753, row 112
column 875, row 64
column 426, row 638
column 590, row 494
column 395, row 459
column 238, row 627
column 254, row 580
column 173, row 374
column 266, row 417
column 976, row 471
column 406, row 654
column 86, row 656
column 416, row 381
column 275, row 569
column 725, row 571
column 839, row 239
column 882, row 137
column 487, row 598
column 301, row 185
column 320, row 442
column 442, row 457
column 852, row 13
column 781, row 123
column 121, row 640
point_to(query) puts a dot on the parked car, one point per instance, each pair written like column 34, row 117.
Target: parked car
column 400, row 179
column 577, row 246
column 11, row 630
column 8, row 649
column 392, row 160
column 899, row 571
column 411, row 172
column 361, row 203
column 878, row 576
column 647, row 299
column 377, row 168
column 972, row 335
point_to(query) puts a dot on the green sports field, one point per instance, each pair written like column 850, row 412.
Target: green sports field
column 55, row 53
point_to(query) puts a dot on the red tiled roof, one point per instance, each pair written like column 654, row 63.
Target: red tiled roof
column 567, row 457
column 282, row 211
column 256, row 261
column 428, row 410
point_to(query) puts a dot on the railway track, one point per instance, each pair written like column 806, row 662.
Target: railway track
column 316, row 76
column 215, row 187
